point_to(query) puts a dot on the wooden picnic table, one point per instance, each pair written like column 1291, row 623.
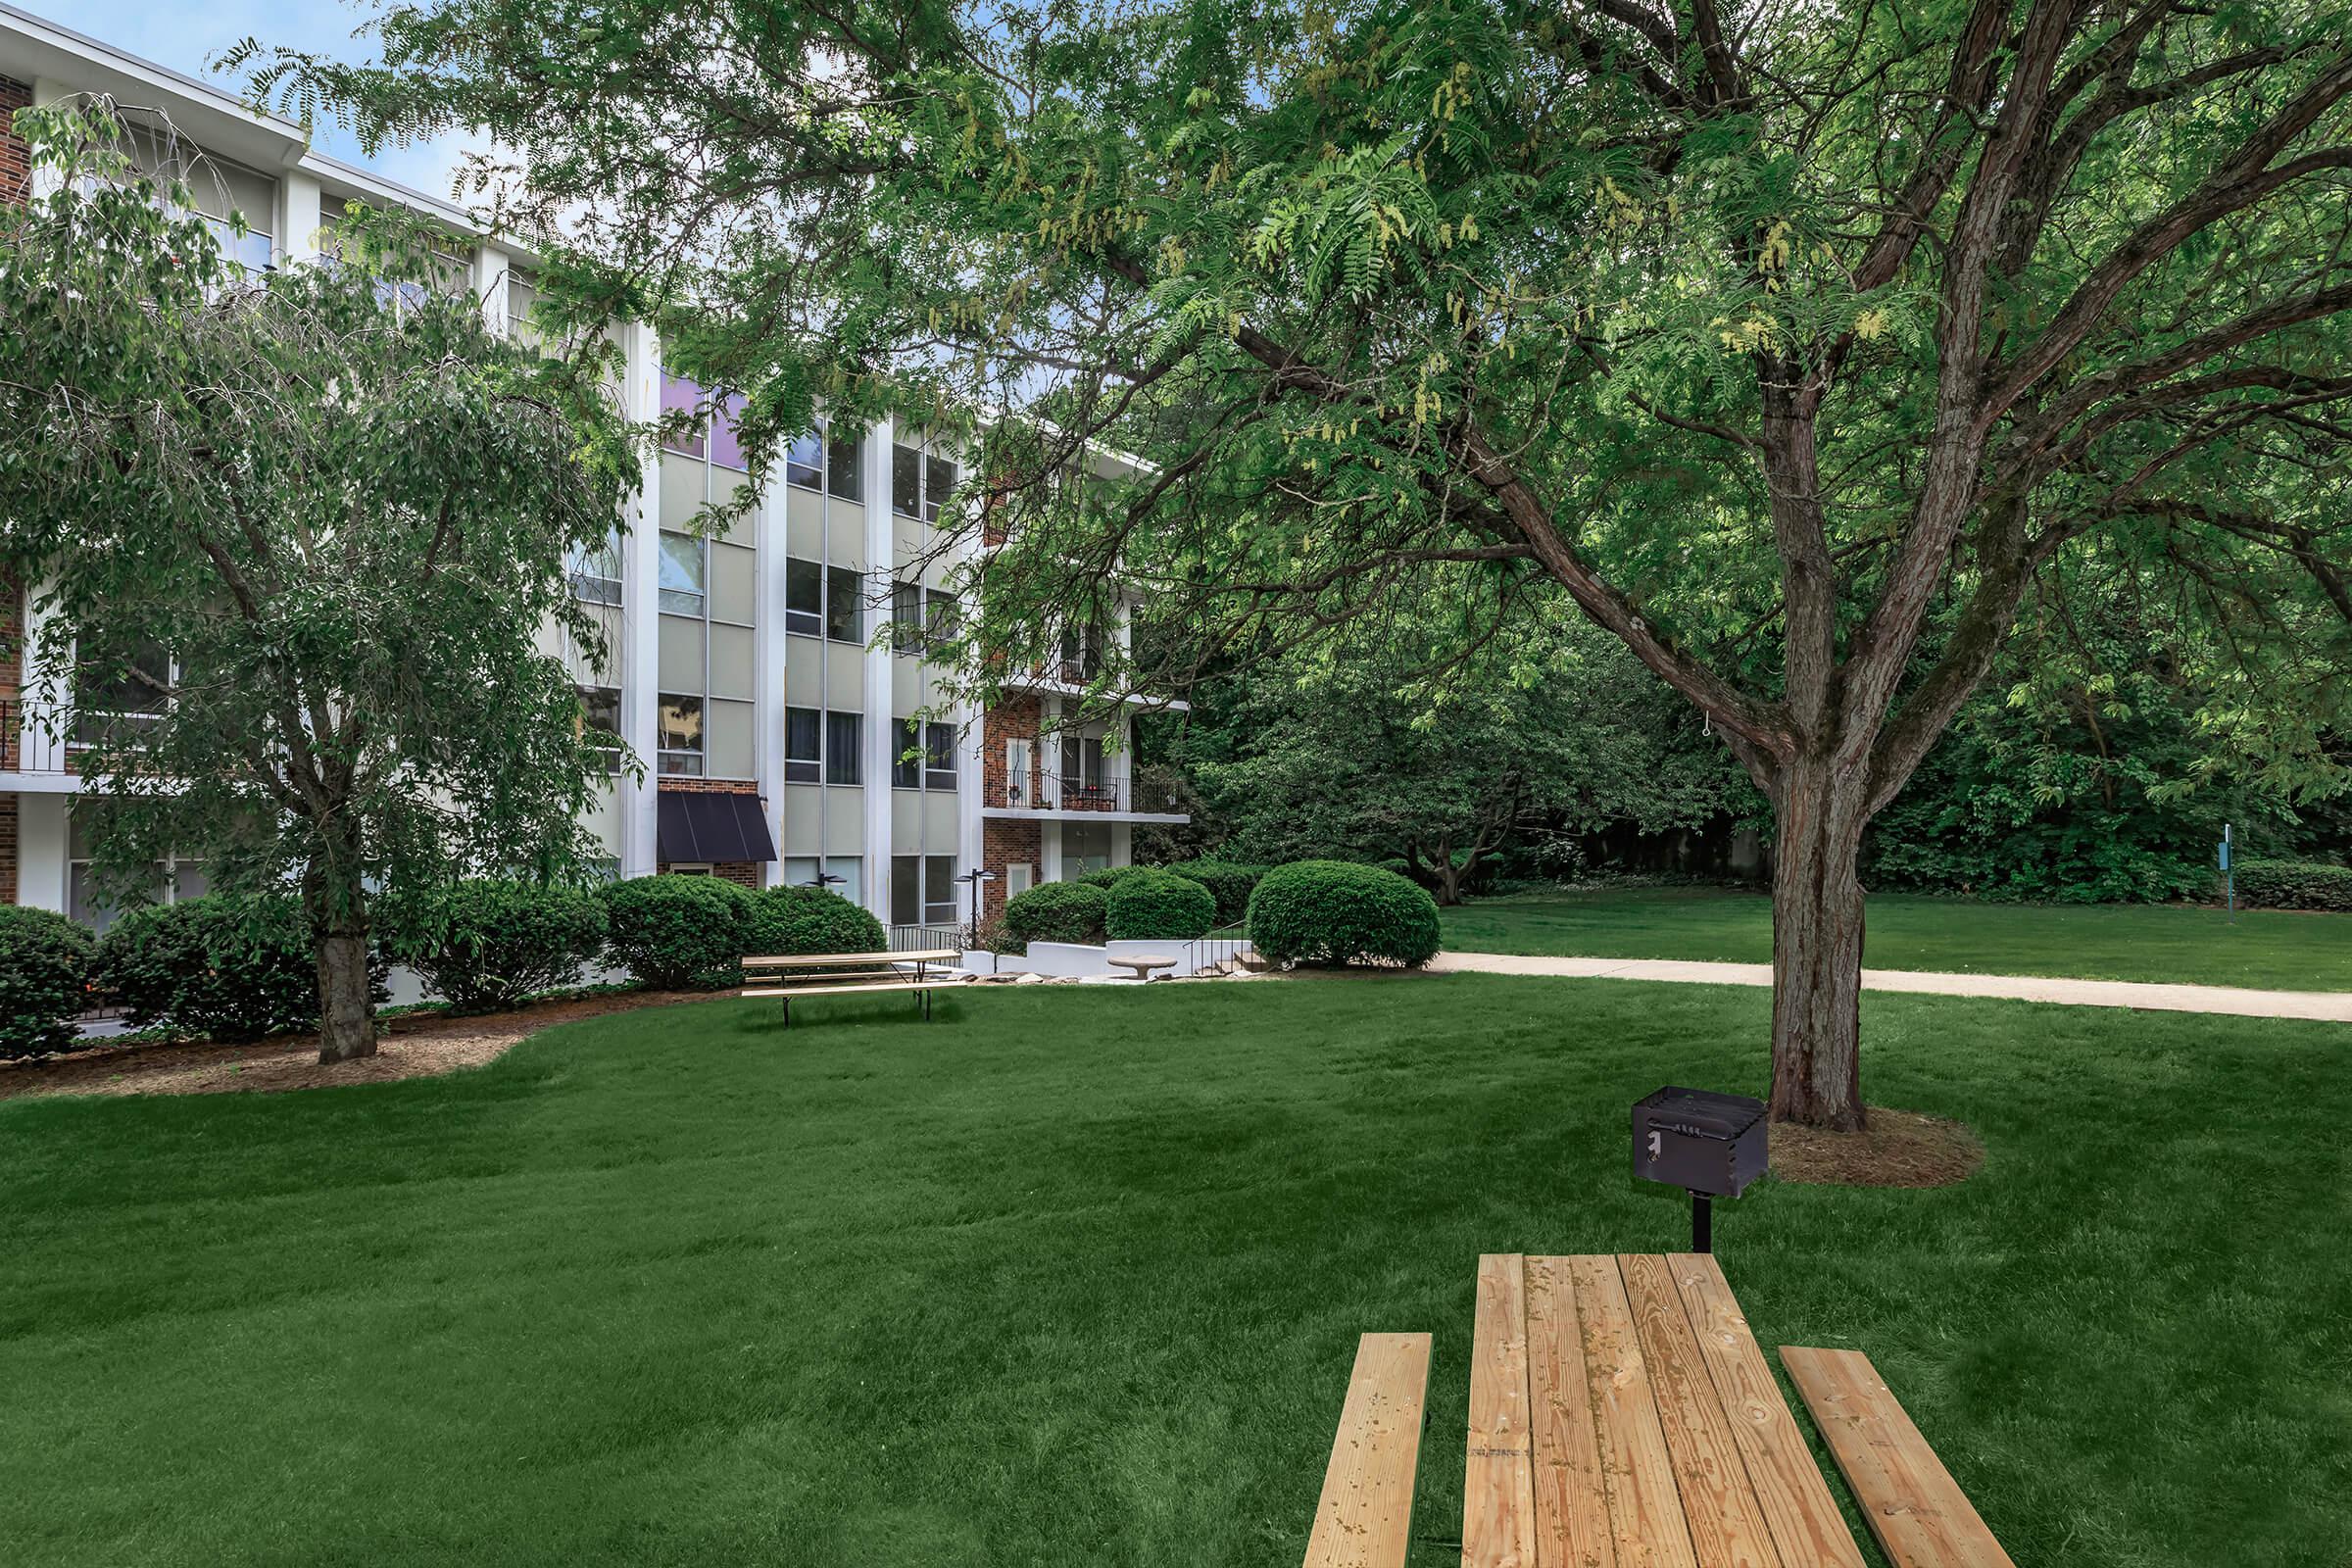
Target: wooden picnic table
column 1623, row 1416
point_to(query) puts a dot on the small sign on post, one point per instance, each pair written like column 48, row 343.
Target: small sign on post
column 2228, row 874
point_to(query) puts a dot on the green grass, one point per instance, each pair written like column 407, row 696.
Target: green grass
column 2270, row 949
column 1073, row 1277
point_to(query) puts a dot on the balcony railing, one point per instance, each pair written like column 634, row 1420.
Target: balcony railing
column 36, row 738
column 1107, row 791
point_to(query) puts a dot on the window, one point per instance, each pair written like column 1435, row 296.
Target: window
column 680, row 718
column 726, row 438
column 906, row 756
column 680, row 395
column 805, row 460
column 595, row 571
column 906, row 481
column 907, row 616
column 844, row 605
column 939, row 890
column 939, row 482
column 600, row 723
column 803, row 745
column 1081, row 653
column 521, row 298
column 844, row 456
column 939, row 769
column 906, row 890
column 682, row 574
column 843, row 874
column 119, row 703
column 844, row 757
column 804, row 597
column 943, row 620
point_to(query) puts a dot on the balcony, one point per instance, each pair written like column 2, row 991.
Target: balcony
column 36, row 738
column 1089, row 795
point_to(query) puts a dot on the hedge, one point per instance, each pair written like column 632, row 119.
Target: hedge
column 1108, row 877
column 2294, row 885
column 1158, row 905
column 224, row 966
column 1230, row 883
column 1334, row 913
column 44, row 980
column 677, row 933
column 1056, row 911
column 796, row 920
column 491, row 941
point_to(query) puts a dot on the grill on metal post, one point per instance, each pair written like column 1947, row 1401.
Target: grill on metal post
column 1710, row 1144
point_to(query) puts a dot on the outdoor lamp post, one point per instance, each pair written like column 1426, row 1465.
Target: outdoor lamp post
column 976, row 877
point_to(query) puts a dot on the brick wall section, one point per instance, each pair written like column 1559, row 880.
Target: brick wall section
column 16, row 160
column 1013, row 718
column 1004, row 843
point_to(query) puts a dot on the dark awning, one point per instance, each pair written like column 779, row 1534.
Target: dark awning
column 714, row 826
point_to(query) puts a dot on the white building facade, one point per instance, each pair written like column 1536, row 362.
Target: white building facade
column 786, row 739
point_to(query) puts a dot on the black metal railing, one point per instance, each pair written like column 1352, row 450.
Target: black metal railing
column 1230, row 945
column 1083, row 792
column 919, row 938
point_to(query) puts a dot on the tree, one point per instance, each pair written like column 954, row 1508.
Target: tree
column 1354, row 750
column 297, row 539
column 1791, row 343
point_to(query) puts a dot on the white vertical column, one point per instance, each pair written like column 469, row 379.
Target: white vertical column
column 881, row 561
column 298, row 216
column 490, row 265
column 639, row 654
column 41, row 845
column 768, row 654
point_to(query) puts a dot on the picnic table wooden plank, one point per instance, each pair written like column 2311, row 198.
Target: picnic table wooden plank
column 1727, row 1525
column 1498, row 1505
column 811, row 961
column 1572, row 1515
column 1364, row 1518
column 1806, row 1523
column 1646, row 1509
column 1917, row 1510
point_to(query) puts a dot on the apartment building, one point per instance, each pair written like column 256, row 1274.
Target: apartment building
column 772, row 678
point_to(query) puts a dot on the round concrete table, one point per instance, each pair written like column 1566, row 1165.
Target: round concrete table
column 1143, row 963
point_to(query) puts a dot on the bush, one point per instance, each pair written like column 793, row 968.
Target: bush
column 1158, row 905
column 676, row 932
column 44, row 980
column 1110, row 876
column 490, row 943
column 1056, row 911
column 224, row 966
column 2294, row 885
column 795, row 920
column 1339, row 912
column 1230, row 884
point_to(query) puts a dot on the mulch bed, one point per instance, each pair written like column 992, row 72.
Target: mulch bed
column 1895, row 1148
column 412, row 1046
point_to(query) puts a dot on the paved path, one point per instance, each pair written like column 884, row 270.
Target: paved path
column 2334, row 1007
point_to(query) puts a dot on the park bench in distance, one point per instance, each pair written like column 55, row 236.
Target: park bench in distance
column 841, row 974
column 1367, row 1503
column 1916, row 1510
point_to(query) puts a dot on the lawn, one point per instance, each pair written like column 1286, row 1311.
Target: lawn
column 2270, row 949
column 1073, row 1277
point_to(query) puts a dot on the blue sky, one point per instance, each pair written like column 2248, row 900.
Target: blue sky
column 185, row 34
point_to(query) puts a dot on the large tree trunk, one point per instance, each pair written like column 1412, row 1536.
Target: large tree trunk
column 1817, row 946
column 346, row 1005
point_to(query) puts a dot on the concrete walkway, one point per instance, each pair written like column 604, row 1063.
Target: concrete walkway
column 2330, row 1007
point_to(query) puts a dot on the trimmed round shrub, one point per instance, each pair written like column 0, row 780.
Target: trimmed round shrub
column 795, row 920
column 678, row 933
column 44, row 980
column 1108, row 877
column 1055, row 912
column 1158, row 904
column 224, row 966
column 2294, row 885
column 491, row 941
column 1330, row 913
column 1229, row 883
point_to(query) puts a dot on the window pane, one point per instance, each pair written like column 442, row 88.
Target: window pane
column 681, row 722
column 596, row 572
column 726, row 448
column 679, row 395
column 906, row 764
column 906, row 481
column 844, row 762
column 804, row 597
column 844, row 458
column 800, row 871
column 804, row 462
column 939, row 480
column 681, row 575
column 939, row 890
column 943, row 623
column 845, row 611
column 804, row 743
column 600, row 723
column 848, row 876
column 905, row 617
column 941, row 769
column 906, row 890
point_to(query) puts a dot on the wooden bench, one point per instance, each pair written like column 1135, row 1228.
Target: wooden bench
column 1918, row 1512
column 1366, row 1509
column 841, row 974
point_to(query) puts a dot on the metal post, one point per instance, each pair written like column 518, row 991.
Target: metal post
column 1702, row 1223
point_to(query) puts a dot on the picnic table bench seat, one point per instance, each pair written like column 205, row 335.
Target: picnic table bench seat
column 1366, row 1511
column 785, row 976
column 1917, row 1510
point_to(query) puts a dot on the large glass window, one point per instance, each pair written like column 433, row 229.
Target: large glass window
column 844, row 874
column 844, row 457
column 939, row 769
column 804, row 597
column 805, row 460
column 907, row 616
column 939, row 482
column 119, row 702
column 600, row 723
column 943, row 620
column 680, row 726
column 921, row 482
column 681, row 396
column 845, row 753
column 844, row 606
column 594, row 570
column 906, row 890
column 906, row 754
column 683, row 581
column 803, row 745
column 939, row 890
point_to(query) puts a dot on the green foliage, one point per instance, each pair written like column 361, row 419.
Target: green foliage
column 488, row 943
column 789, row 921
column 1109, row 876
column 44, row 980
column 678, row 933
column 1229, row 882
column 2294, row 885
column 1337, row 912
column 1055, row 912
column 1158, row 904
column 226, row 967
